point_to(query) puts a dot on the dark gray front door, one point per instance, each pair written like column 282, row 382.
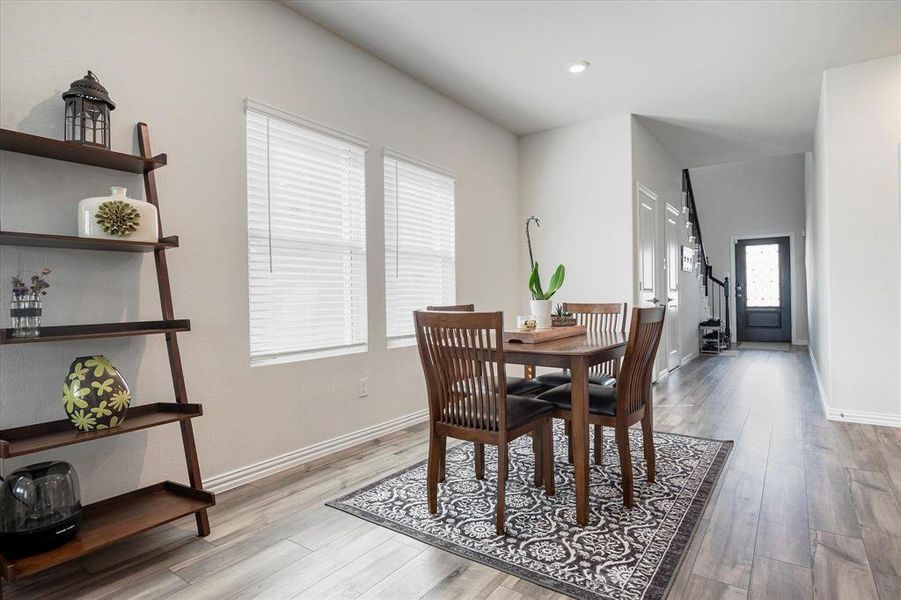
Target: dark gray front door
column 763, row 290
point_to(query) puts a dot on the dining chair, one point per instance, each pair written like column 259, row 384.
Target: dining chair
column 630, row 401
column 518, row 386
column 462, row 357
column 595, row 316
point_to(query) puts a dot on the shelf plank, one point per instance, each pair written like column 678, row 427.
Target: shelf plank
column 60, row 333
column 44, row 240
column 112, row 520
column 19, row 441
column 35, row 145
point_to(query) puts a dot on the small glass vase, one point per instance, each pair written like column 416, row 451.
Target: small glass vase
column 26, row 316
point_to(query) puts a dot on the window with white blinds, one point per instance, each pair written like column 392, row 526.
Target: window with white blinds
column 306, row 222
column 419, row 243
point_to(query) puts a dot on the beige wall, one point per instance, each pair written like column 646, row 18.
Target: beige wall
column 185, row 69
column 855, row 221
column 577, row 180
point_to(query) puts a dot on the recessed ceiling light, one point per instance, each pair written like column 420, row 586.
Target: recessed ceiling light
column 578, row 67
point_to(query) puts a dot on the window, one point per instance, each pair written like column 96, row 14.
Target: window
column 762, row 273
column 306, row 224
column 419, row 243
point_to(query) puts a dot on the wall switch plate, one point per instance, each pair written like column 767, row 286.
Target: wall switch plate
column 363, row 387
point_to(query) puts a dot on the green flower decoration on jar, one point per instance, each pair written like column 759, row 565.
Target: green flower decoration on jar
column 95, row 395
column 118, row 218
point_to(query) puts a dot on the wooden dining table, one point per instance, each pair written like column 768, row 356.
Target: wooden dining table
column 578, row 354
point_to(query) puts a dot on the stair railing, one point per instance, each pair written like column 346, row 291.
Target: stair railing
column 719, row 299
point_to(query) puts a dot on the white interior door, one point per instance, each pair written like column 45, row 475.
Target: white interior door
column 651, row 282
column 647, row 247
column 673, row 228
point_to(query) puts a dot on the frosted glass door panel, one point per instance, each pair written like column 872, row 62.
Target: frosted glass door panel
column 762, row 264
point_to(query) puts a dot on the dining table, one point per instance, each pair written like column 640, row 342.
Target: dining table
column 578, row 354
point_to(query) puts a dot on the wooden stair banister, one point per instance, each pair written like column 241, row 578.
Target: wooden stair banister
column 720, row 286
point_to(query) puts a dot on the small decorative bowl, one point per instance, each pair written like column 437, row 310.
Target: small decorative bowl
column 526, row 323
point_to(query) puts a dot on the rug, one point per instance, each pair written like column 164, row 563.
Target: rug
column 622, row 554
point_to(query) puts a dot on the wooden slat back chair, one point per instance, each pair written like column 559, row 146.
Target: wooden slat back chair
column 462, row 358
column 631, row 401
column 519, row 386
column 454, row 308
column 595, row 316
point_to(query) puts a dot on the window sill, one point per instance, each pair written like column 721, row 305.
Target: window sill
column 280, row 359
column 402, row 342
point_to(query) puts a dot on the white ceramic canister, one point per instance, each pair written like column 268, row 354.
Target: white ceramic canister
column 134, row 221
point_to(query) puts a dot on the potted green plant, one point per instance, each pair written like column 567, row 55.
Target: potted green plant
column 540, row 305
column 562, row 318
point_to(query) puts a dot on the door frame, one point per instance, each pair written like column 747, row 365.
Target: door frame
column 792, row 279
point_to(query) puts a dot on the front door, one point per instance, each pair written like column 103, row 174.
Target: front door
column 763, row 290
column 673, row 229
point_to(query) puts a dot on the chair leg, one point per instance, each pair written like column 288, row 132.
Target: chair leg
column 538, row 452
column 568, row 427
column 501, row 486
column 432, row 472
column 650, row 457
column 442, row 457
column 480, row 460
column 625, row 462
column 598, row 444
column 548, row 458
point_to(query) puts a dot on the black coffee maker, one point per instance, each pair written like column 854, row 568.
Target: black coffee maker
column 40, row 508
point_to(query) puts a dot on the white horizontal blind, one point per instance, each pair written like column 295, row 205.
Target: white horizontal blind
column 419, row 243
column 306, row 223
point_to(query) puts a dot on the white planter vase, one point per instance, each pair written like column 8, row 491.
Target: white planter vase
column 541, row 309
column 147, row 225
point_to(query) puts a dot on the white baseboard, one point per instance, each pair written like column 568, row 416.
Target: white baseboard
column 689, row 358
column 850, row 416
column 864, row 417
column 240, row 476
column 799, row 343
column 824, row 397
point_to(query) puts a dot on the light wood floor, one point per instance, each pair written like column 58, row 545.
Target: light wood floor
column 806, row 508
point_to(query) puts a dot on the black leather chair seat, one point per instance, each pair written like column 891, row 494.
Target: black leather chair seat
column 601, row 398
column 516, row 386
column 519, row 386
column 555, row 378
column 521, row 410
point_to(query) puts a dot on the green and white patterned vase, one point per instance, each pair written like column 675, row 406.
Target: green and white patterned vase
column 95, row 394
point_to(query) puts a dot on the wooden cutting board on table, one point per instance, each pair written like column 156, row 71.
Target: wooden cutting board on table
column 536, row 336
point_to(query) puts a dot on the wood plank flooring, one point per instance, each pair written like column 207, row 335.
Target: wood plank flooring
column 806, row 508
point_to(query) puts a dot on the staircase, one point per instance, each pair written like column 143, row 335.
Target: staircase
column 714, row 334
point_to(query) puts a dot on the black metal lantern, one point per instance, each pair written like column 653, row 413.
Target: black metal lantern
column 87, row 112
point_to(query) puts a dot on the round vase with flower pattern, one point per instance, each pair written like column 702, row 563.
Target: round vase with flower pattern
column 95, row 394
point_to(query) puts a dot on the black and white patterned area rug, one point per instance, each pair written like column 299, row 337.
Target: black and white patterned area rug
column 621, row 554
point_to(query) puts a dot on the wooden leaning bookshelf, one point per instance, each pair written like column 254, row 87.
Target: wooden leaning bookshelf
column 135, row 512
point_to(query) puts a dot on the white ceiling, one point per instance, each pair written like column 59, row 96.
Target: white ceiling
column 714, row 81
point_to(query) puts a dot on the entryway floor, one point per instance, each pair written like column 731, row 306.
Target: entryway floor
column 779, row 346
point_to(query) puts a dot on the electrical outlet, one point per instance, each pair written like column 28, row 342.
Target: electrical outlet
column 363, row 387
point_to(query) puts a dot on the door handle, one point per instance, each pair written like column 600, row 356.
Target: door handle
column 655, row 300
column 670, row 299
